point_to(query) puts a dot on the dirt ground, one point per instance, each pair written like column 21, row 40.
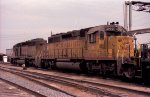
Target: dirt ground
column 7, row 90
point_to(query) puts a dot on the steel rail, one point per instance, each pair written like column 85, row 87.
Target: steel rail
column 80, row 83
column 33, row 80
column 63, row 81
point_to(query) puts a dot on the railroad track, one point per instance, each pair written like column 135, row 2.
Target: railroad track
column 82, row 84
column 23, row 88
column 51, row 91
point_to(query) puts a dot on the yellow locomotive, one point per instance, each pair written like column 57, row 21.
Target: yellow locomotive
column 102, row 49
column 26, row 52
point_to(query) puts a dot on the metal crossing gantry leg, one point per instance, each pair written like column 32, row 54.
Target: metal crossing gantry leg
column 142, row 6
column 128, row 15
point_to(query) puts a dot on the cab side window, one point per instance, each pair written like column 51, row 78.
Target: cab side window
column 101, row 35
column 92, row 37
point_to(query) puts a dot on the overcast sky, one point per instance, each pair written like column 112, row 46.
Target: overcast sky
column 21, row 20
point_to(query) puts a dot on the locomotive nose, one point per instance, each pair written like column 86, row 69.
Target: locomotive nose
column 125, row 45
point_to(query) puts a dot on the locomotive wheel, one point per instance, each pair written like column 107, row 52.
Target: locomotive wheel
column 46, row 65
column 27, row 62
column 129, row 73
column 83, row 67
column 103, row 69
column 53, row 65
column 113, row 70
column 89, row 67
column 42, row 64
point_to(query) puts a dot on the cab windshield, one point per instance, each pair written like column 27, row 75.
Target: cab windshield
column 113, row 33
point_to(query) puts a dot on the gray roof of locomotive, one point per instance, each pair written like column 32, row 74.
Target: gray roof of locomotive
column 32, row 42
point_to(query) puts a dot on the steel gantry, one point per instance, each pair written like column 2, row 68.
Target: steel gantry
column 140, row 6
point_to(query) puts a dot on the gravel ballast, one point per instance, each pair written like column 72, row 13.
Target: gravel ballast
column 31, row 85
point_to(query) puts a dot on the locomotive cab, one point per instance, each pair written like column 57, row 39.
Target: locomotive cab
column 110, row 46
column 108, row 40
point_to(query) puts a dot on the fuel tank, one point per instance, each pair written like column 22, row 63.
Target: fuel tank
column 68, row 65
column 20, row 62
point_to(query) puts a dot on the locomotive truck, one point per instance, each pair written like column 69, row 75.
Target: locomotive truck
column 106, row 49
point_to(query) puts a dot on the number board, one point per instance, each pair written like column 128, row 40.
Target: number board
column 111, row 28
